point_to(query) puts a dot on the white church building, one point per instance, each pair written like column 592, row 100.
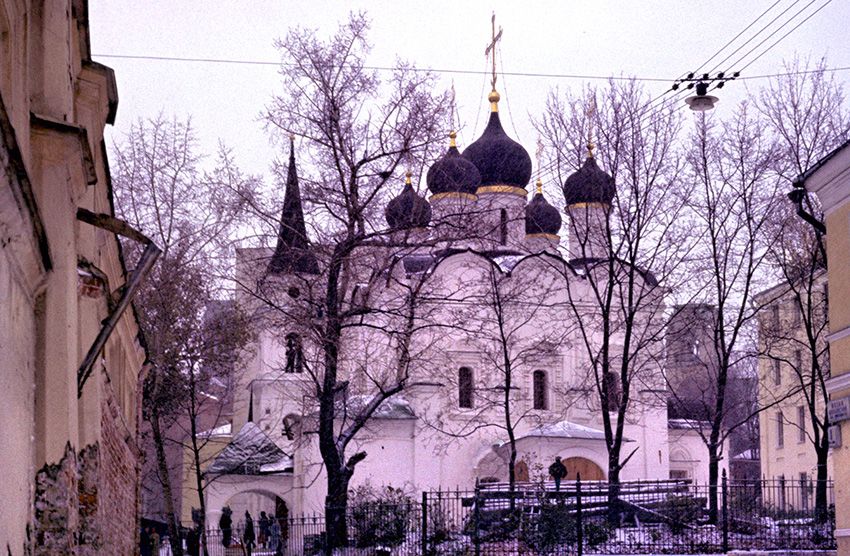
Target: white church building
column 476, row 231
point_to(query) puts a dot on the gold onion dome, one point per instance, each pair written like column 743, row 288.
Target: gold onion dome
column 453, row 173
column 540, row 216
column 408, row 209
column 499, row 159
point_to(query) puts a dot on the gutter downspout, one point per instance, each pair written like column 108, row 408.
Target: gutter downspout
column 128, row 291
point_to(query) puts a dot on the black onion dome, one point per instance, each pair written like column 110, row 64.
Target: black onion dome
column 453, row 173
column 408, row 209
column 541, row 217
column 499, row 159
column 590, row 184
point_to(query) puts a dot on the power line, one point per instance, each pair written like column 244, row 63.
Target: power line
column 439, row 70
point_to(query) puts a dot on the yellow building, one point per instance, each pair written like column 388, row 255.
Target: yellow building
column 70, row 350
column 830, row 180
column 787, row 433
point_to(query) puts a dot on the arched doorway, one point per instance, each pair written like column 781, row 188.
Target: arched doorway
column 589, row 471
column 255, row 502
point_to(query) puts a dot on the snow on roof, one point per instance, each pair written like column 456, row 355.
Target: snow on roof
column 567, row 429
column 223, row 430
column 689, row 424
column 395, row 407
column 248, row 453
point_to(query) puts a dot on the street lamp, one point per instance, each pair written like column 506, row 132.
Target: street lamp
column 702, row 101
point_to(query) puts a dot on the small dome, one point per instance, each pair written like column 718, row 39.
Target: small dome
column 589, row 184
column 408, row 209
column 540, row 216
column 453, row 173
column 499, row 159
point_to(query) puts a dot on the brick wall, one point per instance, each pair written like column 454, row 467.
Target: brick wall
column 118, row 485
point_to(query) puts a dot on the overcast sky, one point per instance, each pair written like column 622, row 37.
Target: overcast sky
column 659, row 39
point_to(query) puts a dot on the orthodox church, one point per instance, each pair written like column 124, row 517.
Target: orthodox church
column 448, row 428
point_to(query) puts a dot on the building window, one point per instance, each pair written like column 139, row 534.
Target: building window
column 294, row 354
column 503, row 226
column 695, row 348
column 774, row 317
column 777, row 372
column 782, row 492
column 796, row 315
column 798, row 360
column 464, row 387
column 804, row 489
column 612, row 386
column 540, row 398
column 780, row 430
column 801, row 423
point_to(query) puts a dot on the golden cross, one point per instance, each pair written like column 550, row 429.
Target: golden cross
column 491, row 48
column 591, row 110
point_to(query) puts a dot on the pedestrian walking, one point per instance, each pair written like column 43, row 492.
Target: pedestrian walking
column 145, row 541
column 155, row 542
column 265, row 524
column 248, row 537
column 193, row 542
column 275, row 543
column 226, row 526
column 558, row 471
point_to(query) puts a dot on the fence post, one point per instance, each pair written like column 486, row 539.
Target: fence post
column 424, row 523
column 579, row 525
column 725, row 499
column 477, row 518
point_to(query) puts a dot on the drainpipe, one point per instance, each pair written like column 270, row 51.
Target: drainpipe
column 128, row 291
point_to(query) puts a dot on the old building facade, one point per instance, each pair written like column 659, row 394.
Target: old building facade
column 70, row 350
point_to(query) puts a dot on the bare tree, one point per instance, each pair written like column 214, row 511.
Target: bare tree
column 807, row 119
column 627, row 244
column 358, row 132
column 732, row 207
column 161, row 188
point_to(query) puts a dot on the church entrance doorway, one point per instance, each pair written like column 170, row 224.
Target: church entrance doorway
column 589, row 471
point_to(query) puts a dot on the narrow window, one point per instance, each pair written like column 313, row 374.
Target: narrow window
column 798, row 361
column 774, row 317
column 777, row 372
column 804, row 489
column 780, row 430
column 294, row 354
column 540, row 401
column 796, row 313
column 801, row 423
column 464, row 387
column 782, row 492
column 503, row 226
column 612, row 387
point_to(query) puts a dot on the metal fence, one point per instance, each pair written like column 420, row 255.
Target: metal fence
column 658, row 517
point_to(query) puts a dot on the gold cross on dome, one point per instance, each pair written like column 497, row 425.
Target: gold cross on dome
column 491, row 48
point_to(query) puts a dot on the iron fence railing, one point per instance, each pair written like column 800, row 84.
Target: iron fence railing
column 646, row 517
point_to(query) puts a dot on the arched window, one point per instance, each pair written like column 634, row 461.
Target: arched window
column 464, row 387
column 540, row 397
column 503, row 226
column 294, row 354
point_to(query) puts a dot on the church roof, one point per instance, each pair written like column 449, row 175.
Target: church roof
column 500, row 160
column 292, row 253
column 395, row 407
column 251, row 452
column 408, row 209
column 540, row 216
column 589, row 184
column 566, row 429
column 453, row 173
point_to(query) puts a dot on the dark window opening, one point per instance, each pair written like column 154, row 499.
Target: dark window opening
column 464, row 387
column 294, row 354
column 540, row 401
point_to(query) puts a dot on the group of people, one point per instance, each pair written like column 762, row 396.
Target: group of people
column 269, row 532
column 149, row 542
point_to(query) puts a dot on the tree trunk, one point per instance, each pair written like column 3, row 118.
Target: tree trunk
column 614, row 488
column 199, row 476
column 336, row 505
column 165, row 480
column 821, row 499
column 713, row 478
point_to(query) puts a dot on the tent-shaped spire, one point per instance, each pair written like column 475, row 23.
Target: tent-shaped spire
column 292, row 253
